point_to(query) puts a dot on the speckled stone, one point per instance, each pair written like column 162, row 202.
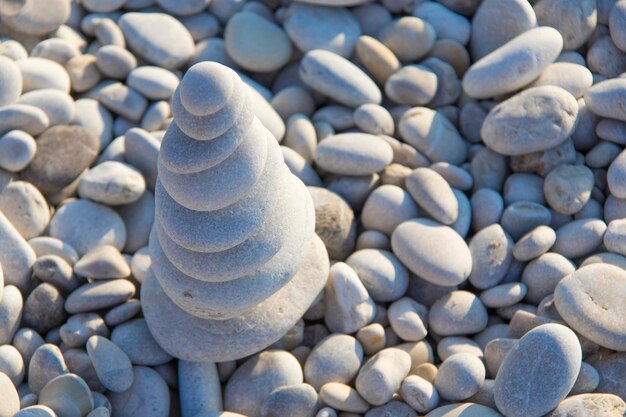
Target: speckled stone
column 492, row 253
column 543, row 367
column 334, row 222
column 590, row 405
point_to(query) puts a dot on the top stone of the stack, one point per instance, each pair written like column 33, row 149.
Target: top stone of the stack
column 206, row 88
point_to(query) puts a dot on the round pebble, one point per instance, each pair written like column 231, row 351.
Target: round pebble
column 458, row 313
column 336, row 358
column 459, row 377
column 382, row 274
column 409, row 37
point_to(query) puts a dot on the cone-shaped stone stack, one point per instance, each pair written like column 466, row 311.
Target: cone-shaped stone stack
column 235, row 258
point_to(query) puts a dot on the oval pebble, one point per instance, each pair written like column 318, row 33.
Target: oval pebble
column 433, row 194
column 408, row 319
column 135, row 339
column 338, row 78
column 382, row 274
column 381, row 376
column 591, row 404
column 112, row 183
column 542, row 369
column 353, row 154
column 567, row 188
column 386, row 207
column 415, row 85
column 10, row 80
column 98, row 295
column 426, row 248
column 409, row 37
column 459, row 377
column 492, row 253
column 342, row 397
column 17, row 150
column 458, row 313
column 514, row 64
column 112, row 366
column 606, row 99
column 548, row 116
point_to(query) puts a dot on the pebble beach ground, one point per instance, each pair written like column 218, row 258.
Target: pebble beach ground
column 445, row 238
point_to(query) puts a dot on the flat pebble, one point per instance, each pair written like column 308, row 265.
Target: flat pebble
column 382, row 274
column 158, row 38
column 253, row 381
column 422, row 245
column 459, row 377
column 147, row 396
column 458, row 313
column 85, row 225
column 348, row 305
column 337, row 78
column 557, row 351
column 310, row 27
column 10, row 399
column 343, row 397
column 25, row 208
column 579, row 238
column 408, row 319
column 112, row 183
column 488, row 34
column 529, row 54
column 63, row 153
column 504, row 295
column 412, row 84
column 256, row 43
column 542, row 275
column 588, row 300
column 433, row 194
column 16, row 256
column 104, row 261
column 134, row 338
column 46, row 364
column 381, row 376
column 299, row 400
column 386, row 207
column 353, row 154
column 115, row 61
column 11, row 81
column 100, row 294
column 409, row 37
column 431, row 133
column 17, row 150
column 605, row 99
column 112, row 366
column 536, row 109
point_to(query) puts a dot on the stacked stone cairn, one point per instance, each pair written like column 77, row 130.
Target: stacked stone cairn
column 235, row 258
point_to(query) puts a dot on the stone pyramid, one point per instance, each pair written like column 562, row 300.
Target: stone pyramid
column 235, row 258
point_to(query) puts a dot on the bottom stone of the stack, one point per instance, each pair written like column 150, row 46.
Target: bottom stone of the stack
column 203, row 340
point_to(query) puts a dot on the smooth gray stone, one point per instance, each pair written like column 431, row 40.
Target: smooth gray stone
column 120, row 99
column 40, row 73
column 542, row 275
column 84, row 225
column 16, row 255
column 154, row 83
column 135, row 339
column 112, row 183
column 311, row 27
column 11, row 81
column 95, row 117
column 67, row 395
column 98, row 295
column 433, row 194
column 253, row 281
column 149, row 396
column 182, row 154
column 298, row 400
column 35, row 411
column 46, row 364
column 590, row 301
column 158, row 38
column 605, row 99
column 380, row 377
column 11, row 306
column 30, row 119
column 336, row 358
column 138, row 218
column 458, row 313
column 423, row 244
column 25, row 208
column 300, row 168
column 222, row 229
column 353, row 154
column 337, row 78
column 58, row 105
column 382, row 274
column 225, row 183
column 35, row 19
column 464, row 410
column 265, row 112
column 460, row 376
column 112, row 366
column 253, row 381
column 492, row 253
column 17, row 150
column 142, row 152
column 541, row 370
column 295, row 223
column 43, row 309
column 80, row 327
column 199, row 388
column 223, row 340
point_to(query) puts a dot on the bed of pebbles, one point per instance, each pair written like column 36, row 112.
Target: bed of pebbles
column 466, row 168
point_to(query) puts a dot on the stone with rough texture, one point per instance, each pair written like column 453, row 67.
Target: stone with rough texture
column 541, row 370
column 63, row 153
column 334, row 222
column 514, row 64
column 492, row 254
column 590, row 405
column 147, row 396
column 535, row 120
column 252, row 382
column 589, row 301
